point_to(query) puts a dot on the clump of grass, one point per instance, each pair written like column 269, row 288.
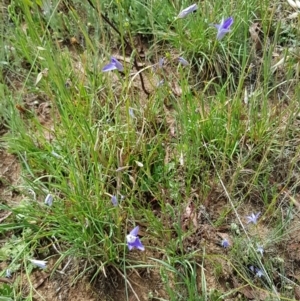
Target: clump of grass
column 98, row 138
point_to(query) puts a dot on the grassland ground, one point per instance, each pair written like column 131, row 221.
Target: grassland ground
column 149, row 150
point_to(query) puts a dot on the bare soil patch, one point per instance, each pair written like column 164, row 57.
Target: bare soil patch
column 10, row 170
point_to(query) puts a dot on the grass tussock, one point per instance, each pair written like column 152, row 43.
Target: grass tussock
column 201, row 153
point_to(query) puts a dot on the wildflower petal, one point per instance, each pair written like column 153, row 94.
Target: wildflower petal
column 114, row 200
column 259, row 273
column 118, row 65
column 139, row 245
column 221, row 33
column 260, row 250
column 227, row 23
column 131, row 113
column 113, row 65
column 187, row 11
column 39, row 263
column 133, row 241
column 252, row 218
column 223, row 27
column 225, row 243
column 130, row 239
column 161, row 62
column 49, row 200
column 183, row 61
column 109, row 67
column 135, row 231
column 130, row 246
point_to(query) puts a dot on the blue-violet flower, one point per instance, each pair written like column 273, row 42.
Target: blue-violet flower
column 223, row 27
column 187, row 11
column 114, row 200
column 183, row 61
column 161, row 62
column 131, row 113
column 133, row 241
column 252, row 218
column 260, row 250
column 225, row 243
column 258, row 272
column 113, row 65
column 49, row 200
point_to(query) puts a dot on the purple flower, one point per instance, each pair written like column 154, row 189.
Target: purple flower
column 258, row 272
column 260, row 250
column 133, row 241
column 187, row 11
column 225, row 243
column 183, row 61
column 114, row 200
column 131, row 113
column 49, row 200
column 252, row 218
column 113, row 65
column 161, row 62
column 223, row 27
